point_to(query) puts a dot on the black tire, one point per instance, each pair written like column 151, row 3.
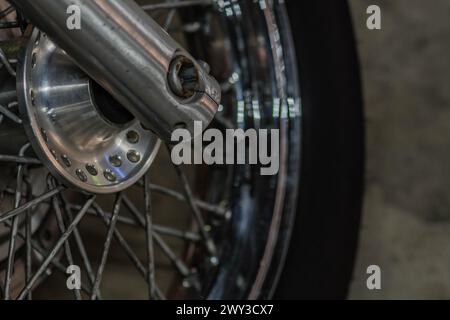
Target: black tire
column 322, row 250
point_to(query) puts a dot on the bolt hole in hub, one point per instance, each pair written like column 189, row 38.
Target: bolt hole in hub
column 80, row 132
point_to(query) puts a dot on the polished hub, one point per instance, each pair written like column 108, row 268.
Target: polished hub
column 80, row 132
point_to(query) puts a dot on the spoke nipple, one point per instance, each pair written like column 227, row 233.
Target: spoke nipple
column 33, row 99
column 52, row 116
column 186, row 284
column 66, row 160
column 44, row 134
column 210, row 246
column 81, row 175
column 53, row 152
column 38, row 38
column 214, row 261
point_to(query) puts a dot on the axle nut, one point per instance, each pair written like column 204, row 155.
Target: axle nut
column 184, row 79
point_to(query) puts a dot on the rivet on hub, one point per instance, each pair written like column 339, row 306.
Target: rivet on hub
column 66, row 160
column 53, row 152
column 134, row 156
column 33, row 102
column 33, row 60
column 81, row 175
column 109, row 175
column 52, row 115
column 92, row 169
column 44, row 134
column 38, row 38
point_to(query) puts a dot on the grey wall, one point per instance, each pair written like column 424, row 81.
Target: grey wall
column 406, row 223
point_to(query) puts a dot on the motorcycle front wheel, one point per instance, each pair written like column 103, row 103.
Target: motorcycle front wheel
column 205, row 232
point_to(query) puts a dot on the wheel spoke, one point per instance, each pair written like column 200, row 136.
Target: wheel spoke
column 179, row 265
column 56, row 264
column 10, row 25
column 184, row 235
column 169, row 19
column 13, row 233
column 125, row 246
column 40, row 251
column 7, row 113
column 30, row 204
column 209, row 244
column 19, row 160
column 107, row 245
column 57, row 247
column 163, row 230
column 15, row 226
column 6, row 12
column 11, row 257
column 80, row 244
column 28, row 245
column 124, row 220
column 178, row 196
column 192, row 27
column 62, row 229
column 4, row 60
column 149, row 238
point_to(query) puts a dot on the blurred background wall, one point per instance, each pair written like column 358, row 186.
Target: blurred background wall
column 406, row 223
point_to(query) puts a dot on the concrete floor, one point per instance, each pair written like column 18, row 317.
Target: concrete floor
column 406, row 223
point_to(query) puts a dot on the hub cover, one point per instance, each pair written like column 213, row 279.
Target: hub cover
column 70, row 131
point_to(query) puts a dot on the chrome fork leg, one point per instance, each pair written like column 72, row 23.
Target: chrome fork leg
column 133, row 58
